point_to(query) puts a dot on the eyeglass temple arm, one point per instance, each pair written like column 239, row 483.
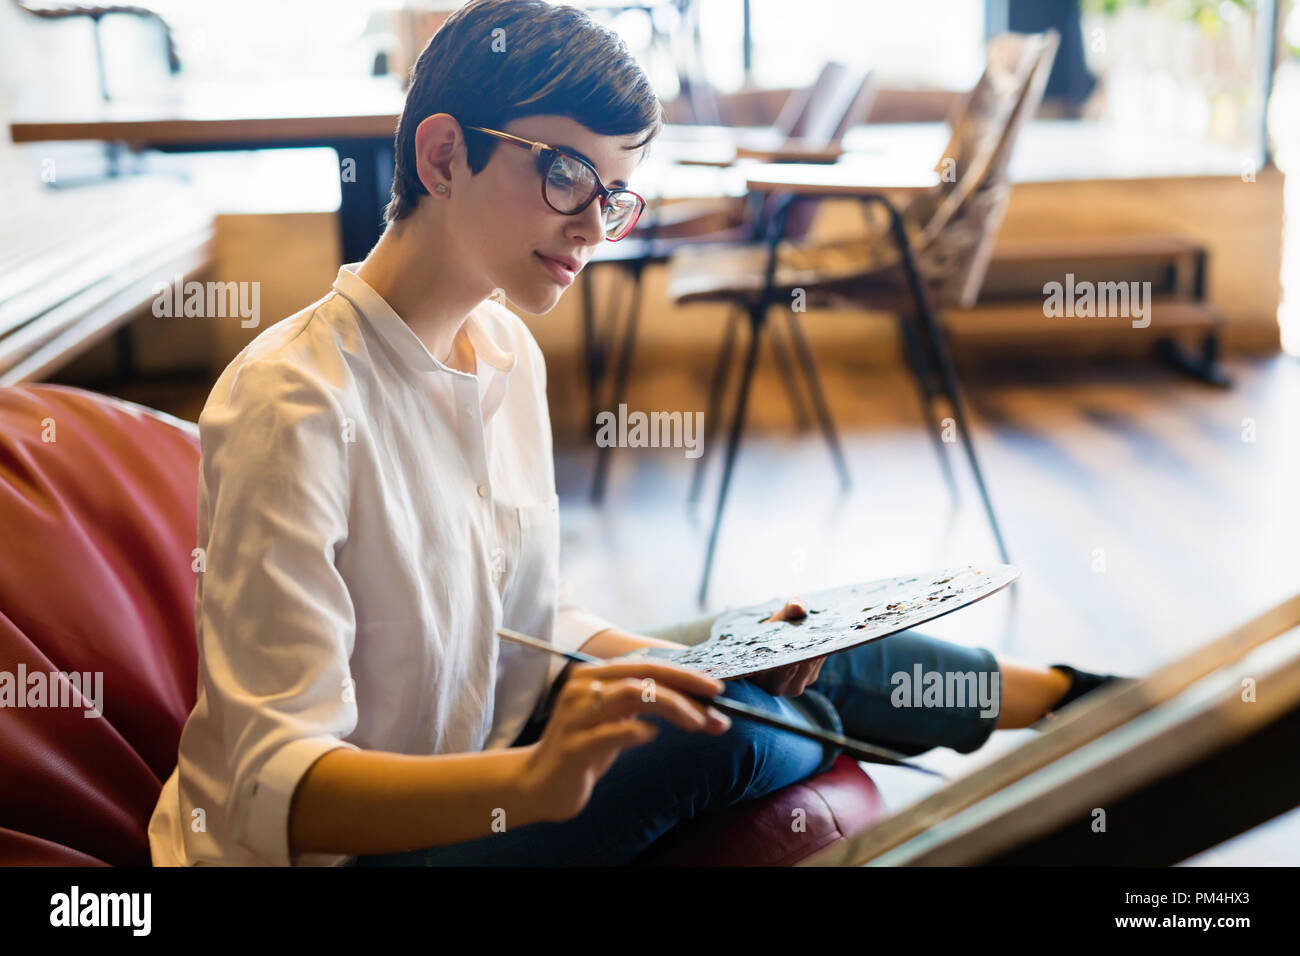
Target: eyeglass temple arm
column 538, row 148
column 534, row 148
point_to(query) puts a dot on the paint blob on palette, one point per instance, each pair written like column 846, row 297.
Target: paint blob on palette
column 743, row 642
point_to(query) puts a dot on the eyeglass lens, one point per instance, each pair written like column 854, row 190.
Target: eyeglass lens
column 571, row 183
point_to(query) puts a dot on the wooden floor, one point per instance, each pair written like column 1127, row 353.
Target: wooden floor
column 1197, row 527
column 1143, row 519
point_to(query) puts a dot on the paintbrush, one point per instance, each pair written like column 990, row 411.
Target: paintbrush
column 734, row 708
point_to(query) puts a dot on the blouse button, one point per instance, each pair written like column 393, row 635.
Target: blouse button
column 482, row 491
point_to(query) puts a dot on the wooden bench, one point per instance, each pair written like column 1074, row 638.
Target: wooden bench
column 77, row 264
column 1011, row 303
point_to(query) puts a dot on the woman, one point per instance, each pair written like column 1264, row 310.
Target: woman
column 377, row 497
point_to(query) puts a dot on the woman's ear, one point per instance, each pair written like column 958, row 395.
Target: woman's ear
column 438, row 143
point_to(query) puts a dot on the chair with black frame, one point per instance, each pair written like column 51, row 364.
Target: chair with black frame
column 839, row 98
column 931, row 254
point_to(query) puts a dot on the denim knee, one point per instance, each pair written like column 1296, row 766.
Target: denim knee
column 761, row 759
column 864, row 685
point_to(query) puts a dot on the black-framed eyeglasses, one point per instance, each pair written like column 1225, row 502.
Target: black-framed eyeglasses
column 570, row 183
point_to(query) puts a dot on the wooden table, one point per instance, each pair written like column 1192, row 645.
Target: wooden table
column 724, row 152
column 357, row 119
column 853, row 177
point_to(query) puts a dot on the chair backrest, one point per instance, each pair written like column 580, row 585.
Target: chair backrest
column 840, row 97
column 98, row 502
column 793, row 118
column 843, row 101
column 819, row 115
column 857, row 108
column 960, row 221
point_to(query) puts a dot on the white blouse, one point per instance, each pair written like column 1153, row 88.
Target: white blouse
column 368, row 517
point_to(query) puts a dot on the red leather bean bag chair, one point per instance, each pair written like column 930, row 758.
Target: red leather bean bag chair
column 97, row 518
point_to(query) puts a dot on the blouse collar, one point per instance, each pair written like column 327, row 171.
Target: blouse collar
column 399, row 335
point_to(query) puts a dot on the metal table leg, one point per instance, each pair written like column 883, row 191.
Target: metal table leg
column 947, row 371
column 756, row 321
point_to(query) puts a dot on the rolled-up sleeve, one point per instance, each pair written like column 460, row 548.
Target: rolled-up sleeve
column 574, row 624
column 275, row 620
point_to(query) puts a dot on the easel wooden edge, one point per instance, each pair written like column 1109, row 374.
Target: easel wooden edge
column 1086, row 722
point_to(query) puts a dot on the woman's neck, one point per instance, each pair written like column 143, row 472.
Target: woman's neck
column 431, row 291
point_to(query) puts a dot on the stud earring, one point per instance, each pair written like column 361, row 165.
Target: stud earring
column 441, row 187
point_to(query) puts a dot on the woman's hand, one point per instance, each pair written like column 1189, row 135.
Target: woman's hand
column 792, row 679
column 594, row 719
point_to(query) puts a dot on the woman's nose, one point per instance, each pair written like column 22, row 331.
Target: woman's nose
column 589, row 225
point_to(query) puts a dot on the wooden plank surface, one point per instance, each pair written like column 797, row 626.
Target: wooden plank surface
column 856, row 177
column 227, row 113
column 1104, row 713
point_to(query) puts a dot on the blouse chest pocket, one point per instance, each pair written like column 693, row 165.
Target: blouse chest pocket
column 536, row 569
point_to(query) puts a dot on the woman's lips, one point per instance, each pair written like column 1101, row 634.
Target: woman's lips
column 561, row 273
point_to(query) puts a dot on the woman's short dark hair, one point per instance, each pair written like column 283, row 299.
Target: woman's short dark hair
column 494, row 61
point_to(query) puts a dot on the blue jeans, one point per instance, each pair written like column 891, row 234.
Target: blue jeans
column 679, row 775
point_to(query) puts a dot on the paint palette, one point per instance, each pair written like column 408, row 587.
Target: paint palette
column 742, row 642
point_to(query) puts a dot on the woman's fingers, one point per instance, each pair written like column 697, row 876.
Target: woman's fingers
column 813, row 668
column 674, row 675
column 590, row 701
column 597, row 716
column 817, row 670
column 795, row 609
column 793, row 679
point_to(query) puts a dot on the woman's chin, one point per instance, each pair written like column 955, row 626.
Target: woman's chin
column 537, row 301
